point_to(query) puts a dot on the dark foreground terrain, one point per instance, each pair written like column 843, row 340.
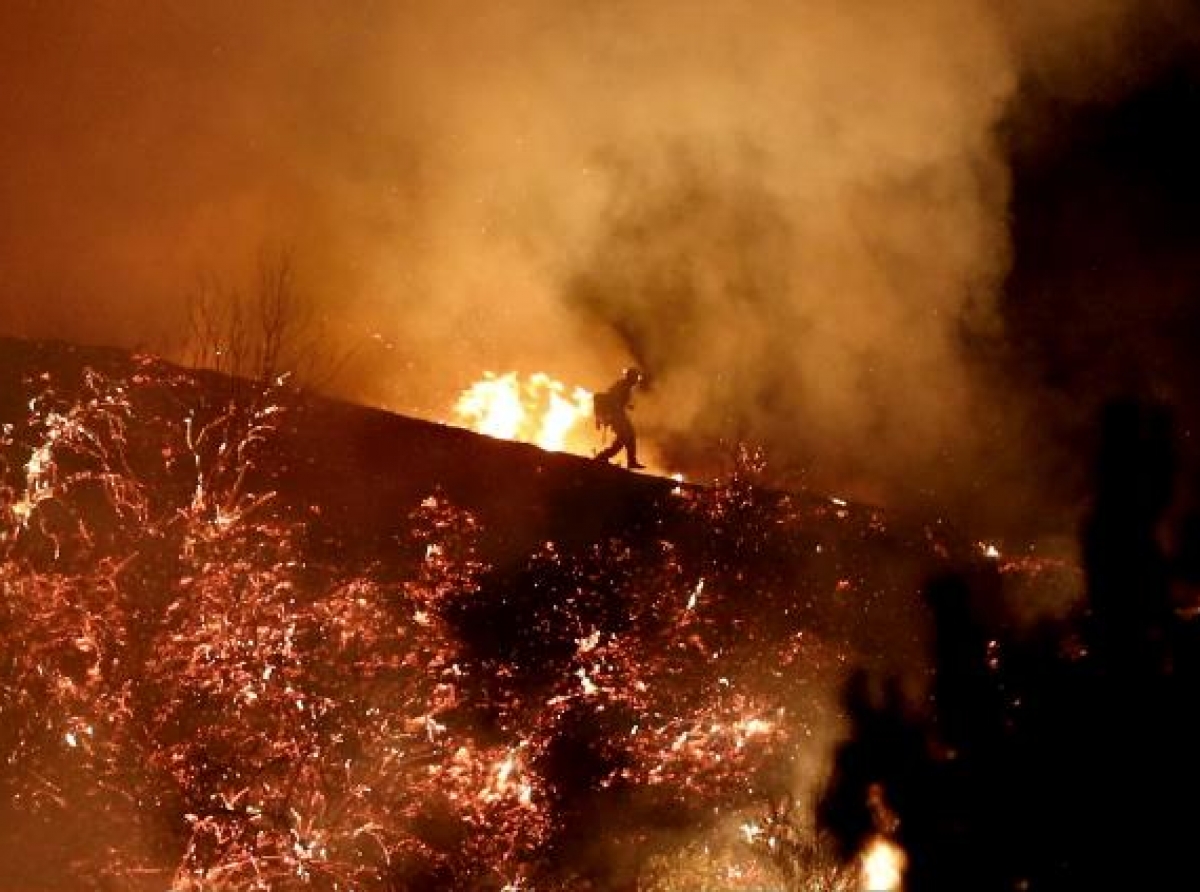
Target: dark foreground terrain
column 251, row 638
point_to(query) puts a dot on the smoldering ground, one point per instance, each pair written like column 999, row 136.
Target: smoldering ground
column 793, row 214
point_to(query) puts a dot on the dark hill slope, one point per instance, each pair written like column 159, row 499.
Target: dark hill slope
column 368, row 469
column 353, row 474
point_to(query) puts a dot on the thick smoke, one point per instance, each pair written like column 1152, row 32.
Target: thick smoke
column 792, row 213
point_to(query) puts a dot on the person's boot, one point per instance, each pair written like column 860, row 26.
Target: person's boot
column 634, row 464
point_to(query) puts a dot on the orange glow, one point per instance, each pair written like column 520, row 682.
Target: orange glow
column 538, row 410
column 882, row 866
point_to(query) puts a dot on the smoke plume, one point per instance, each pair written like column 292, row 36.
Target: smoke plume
column 793, row 214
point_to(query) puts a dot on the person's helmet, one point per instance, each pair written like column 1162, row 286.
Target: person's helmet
column 632, row 375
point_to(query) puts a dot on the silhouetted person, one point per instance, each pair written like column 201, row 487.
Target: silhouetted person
column 612, row 408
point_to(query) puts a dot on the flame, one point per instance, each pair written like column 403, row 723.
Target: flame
column 882, row 866
column 538, row 410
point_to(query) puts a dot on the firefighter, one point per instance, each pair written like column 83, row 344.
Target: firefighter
column 611, row 409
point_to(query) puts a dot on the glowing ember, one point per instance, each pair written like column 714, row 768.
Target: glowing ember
column 882, row 866
column 538, row 410
column 750, row 831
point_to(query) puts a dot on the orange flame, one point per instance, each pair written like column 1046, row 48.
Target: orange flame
column 537, row 410
column 882, row 866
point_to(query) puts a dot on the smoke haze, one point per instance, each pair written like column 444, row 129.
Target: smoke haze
column 793, row 214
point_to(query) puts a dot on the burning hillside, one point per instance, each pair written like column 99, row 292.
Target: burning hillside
column 545, row 412
column 252, row 639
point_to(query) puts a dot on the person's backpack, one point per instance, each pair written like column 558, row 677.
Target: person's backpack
column 603, row 409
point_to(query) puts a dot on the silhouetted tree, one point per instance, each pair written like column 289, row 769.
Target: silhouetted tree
column 263, row 332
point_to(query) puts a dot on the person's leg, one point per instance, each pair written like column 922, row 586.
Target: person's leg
column 615, row 446
column 609, row 451
column 627, row 440
column 631, row 454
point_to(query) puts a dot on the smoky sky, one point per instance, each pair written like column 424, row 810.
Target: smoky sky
column 795, row 215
